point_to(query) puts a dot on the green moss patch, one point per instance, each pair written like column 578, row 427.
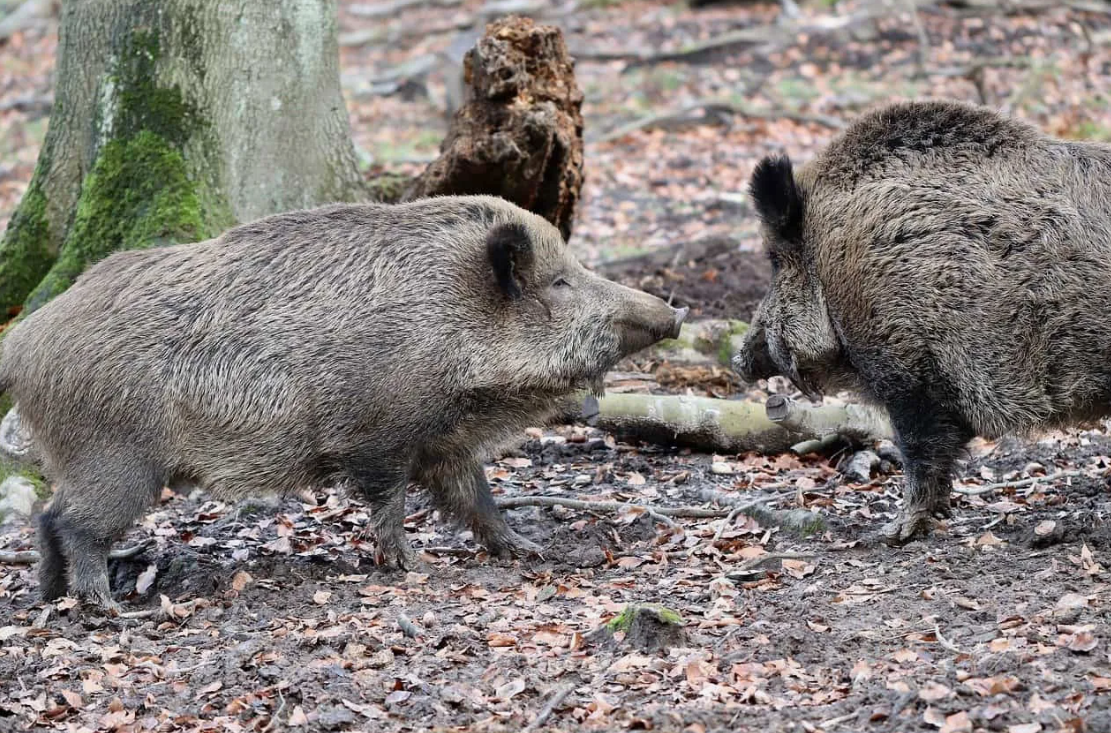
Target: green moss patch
column 624, row 620
column 139, row 192
column 137, row 195
column 25, row 253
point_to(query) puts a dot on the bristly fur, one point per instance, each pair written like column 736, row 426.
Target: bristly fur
column 370, row 346
column 777, row 198
column 954, row 271
column 509, row 248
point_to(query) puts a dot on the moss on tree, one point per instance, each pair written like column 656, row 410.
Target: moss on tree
column 25, row 253
column 140, row 191
column 137, row 195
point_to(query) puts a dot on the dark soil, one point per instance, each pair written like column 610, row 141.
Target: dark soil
column 294, row 612
column 724, row 284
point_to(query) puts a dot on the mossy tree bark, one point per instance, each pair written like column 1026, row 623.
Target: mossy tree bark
column 173, row 120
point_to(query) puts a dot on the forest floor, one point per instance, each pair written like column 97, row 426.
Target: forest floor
column 265, row 616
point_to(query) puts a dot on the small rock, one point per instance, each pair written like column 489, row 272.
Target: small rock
column 17, row 496
column 14, row 440
column 859, row 468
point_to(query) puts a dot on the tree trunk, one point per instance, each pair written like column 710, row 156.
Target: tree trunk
column 173, row 120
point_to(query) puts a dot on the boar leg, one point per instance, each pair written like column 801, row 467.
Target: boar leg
column 930, row 441
column 76, row 532
column 461, row 490
column 384, row 489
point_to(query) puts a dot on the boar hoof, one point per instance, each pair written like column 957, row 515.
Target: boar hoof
column 908, row 526
column 399, row 556
column 511, row 544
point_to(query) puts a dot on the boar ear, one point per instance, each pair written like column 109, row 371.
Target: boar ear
column 509, row 249
column 777, row 198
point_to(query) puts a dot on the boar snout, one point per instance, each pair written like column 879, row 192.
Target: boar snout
column 644, row 319
column 677, row 323
column 753, row 361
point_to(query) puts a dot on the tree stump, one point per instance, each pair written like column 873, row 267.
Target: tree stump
column 519, row 132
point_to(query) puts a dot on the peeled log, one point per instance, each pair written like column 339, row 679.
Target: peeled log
column 859, row 422
column 702, row 423
column 519, row 132
column 729, row 426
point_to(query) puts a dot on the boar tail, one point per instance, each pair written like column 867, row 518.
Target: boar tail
column 777, row 199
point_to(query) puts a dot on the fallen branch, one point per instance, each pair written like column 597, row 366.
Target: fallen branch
column 714, row 108
column 728, row 426
column 702, row 343
column 661, row 257
column 859, row 422
column 702, row 423
column 989, row 488
column 28, row 557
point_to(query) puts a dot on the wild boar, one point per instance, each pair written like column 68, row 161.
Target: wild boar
column 949, row 263
column 366, row 345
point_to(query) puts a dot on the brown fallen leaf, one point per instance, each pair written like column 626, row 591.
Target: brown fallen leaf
column 1045, row 528
column 798, row 568
column 241, row 580
column 934, row 691
column 496, row 639
column 1034, row 727
column 1082, row 642
column 72, row 699
column 957, row 723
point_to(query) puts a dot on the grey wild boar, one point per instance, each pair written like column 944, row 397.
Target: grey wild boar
column 364, row 345
column 949, row 263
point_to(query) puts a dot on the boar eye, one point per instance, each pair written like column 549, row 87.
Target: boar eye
column 561, row 282
column 773, row 257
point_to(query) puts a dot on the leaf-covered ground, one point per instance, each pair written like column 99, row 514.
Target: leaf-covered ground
column 267, row 616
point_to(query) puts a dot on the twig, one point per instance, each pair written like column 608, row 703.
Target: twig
column 512, row 502
column 728, row 521
column 923, row 39
column 988, row 488
column 28, row 557
column 548, row 709
column 274, row 718
column 945, row 643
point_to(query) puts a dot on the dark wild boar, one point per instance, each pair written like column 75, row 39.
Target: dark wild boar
column 367, row 345
column 949, row 263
